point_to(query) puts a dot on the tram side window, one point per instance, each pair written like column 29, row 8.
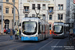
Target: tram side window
column 44, row 28
column 23, row 26
column 39, row 30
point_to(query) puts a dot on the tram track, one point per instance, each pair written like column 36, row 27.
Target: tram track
column 15, row 45
column 49, row 43
column 46, row 44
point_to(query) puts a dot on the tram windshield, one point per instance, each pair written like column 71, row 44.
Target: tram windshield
column 29, row 27
column 58, row 29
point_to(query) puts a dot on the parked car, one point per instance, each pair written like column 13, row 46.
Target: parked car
column 8, row 31
column 5, row 30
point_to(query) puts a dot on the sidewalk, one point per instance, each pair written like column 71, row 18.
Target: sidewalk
column 5, row 40
column 3, row 34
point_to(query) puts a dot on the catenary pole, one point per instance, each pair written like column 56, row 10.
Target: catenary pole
column 14, row 14
column 2, row 17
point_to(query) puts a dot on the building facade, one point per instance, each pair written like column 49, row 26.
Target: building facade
column 27, row 8
column 51, row 10
column 61, row 11
column 8, row 11
column 72, row 13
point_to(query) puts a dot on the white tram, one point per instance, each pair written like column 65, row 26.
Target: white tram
column 59, row 30
column 34, row 29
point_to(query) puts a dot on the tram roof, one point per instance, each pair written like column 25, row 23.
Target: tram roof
column 58, row 23
column 34, row 19
column 30, row 18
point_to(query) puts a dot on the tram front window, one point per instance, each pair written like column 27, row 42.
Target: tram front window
column 58, row 29
column 29, row 27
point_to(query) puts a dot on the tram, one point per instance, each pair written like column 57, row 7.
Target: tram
column 34, row 29
column 59, row 30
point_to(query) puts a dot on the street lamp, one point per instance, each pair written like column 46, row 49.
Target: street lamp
column 14, row 14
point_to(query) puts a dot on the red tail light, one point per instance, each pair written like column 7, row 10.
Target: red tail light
column 54, row 33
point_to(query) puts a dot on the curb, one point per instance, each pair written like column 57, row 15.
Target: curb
column 3, row 35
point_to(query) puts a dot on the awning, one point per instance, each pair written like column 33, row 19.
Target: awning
column 26, row 4
column 51, row 5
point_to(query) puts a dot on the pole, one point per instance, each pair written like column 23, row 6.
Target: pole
column 2, row 18
column 14, row 14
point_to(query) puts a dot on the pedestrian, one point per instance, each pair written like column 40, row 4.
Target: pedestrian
column 13, row 31
column 50, row 31
column 11, row 34
column 20, row 32
column 16, row 34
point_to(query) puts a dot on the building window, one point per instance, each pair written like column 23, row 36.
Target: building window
column 0, row 19
column 26, row 8
column 33, row 15
column 7, row 0
column 44, row 18
column 60, row 6
column 7, row 10
column 0, row 8
column 50, row 9
column 12, row 10
column 50, row 17
column 33, row 6
column 26, row 15
column 49, row 26
column 38, row 6
column 44, row 7
column 60, row 16
column 13, row 0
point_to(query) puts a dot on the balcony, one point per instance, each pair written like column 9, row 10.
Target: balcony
column 50, row 12
column 25, row 10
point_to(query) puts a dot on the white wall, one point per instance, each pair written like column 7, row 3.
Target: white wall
column 56, row 11
column 30, row 8
column 56, row 2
